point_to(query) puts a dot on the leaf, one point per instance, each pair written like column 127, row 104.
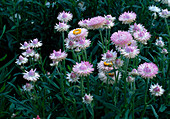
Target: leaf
column 90, row 108
column 154, row 112
column 162, row 108
column 3, row 58
column 144, row 58
column 4, row 28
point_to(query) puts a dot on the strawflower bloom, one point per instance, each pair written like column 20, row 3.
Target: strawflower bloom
column 148, row 70
column 87, row 99
column 29, row 52
column 36, row 56
column 72, row 77
column 164, row 51
column 159, row 42
column 83, row 69
column 104, row 66
column 21, row 60
column 24, row 46
column 31, row 75
column 83, row 43
column 118, row 62
column 142, row 36
column 156, row 90
column 108, row 24
column 84, row 23
column 96, row 22
column 129, row 51
column 65, row 16
column 110, row 18
column 61, row 27
column 136, row 27
column 77, row 34
column 58, row 55
column 109, row 56
column 28, row 87
column 54, row 63
column 70, row 44
column 164, row 13
column 121, row 38
column 127, row 17
column 166, row 2
column 130, row 79
column 35, row 43
column 154, row 9
column 134, row 72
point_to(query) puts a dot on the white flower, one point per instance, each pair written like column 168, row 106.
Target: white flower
column 134, row 72
column 159, row 42
column 109, row 56
column 87, row 99
column 164, row 13
column 61, row 27
column 130, row 79
column 72, row 77
column 81, row 6
column 24, row 46
column 28, row 87
column 70, row 44
column 21, row 60
column 65, row 16
column 31, row 75
column 29, row 52
column 35, row 43
column 164, row 51
column 154, row 9
column 156, row 90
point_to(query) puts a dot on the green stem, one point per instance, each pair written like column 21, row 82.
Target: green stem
column 125, row 83
column 167, row 26
column 102, row 40
column 133, row 101
column 63, row 40
column 109, row 39
column 82, row 94
column 147, row 82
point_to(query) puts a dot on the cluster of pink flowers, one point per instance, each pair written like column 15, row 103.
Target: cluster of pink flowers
column 57, row 56
column 98, row 22
column 159, row 42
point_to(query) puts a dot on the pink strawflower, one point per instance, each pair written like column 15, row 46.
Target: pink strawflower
column 24, row 46
column 37, row 117
column 78, row 33
column 154, row 9
column 164, row 13
column 28, row 87
column 83, row 43
column 21, row 60
column 61, row 27
column 118, row 62
column 65, row 16
column 31, row 75
column 110, row 18
column 72, row 77
column 108, row 24
column 130, row 79
column 36, row 56
column 83, row 69
column 87, row 99
column 136, row 27
column 96, row 22
column 159, row 42
column 35, row 43
column 164, row 51
column 104, row 66
column 54, row 63
column 109, row 56
column 127, row 17
column 70, row 44
column 156, row 90
column 29, row 52
column 84, row 23
column 142, row 36
column 121, row 38
column 129, row 51
column 58, row 56
column 148, row 70
column 134, row 72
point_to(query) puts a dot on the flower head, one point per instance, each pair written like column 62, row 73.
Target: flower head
column 21, row 60
column 24, row 46
column 127, row 17
column 129, row 51
column 87, row 99
column 72, row 77
column 35, row 43
column 130, row 79
column 83, row 69
column 77, row 34
column 118, row 62
column 84, row 23
column 121, row 38
column 154, row 9
column 31, row 75
column 58, row 55
column 83, row 43
column 159, row 42
column 110, row 18
column 136, row 27
column 104, row 66
column 28, row 87
column 61, row 27
column 29, row 52
column 148, row 70
column 70, row 44
column 134, row 72
column 164, row 13
column 156, row 90
column 65, row 16
column 164, row 51
column 109, row 56
column 96, row 22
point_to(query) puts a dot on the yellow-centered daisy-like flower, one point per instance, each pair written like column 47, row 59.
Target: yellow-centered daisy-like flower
column 111, row 74
column 108, row 64
column 77, row 31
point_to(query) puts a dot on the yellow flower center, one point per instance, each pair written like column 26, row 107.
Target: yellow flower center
column 108, row 64
column 129, row 43
column 111, row 74
column 77, row 31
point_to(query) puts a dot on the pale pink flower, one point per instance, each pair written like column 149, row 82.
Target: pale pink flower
column 104, row 66
column 87, row 99
column 108, row 24
column 109, row 56
column 83, row 43
column 136, row 27
column 129, row 51
column 35, row 43
column 96, row 22
column 148, row 70
column 28, row 87
column 142, row 36
column 156, row 90
column 154, row 9
column 121, row 38
column 24, row 46
column 109, row 17
column 29, row 52
column 164, row 51
column 72, row 77
column 58, row 56
column 31, row 75
column 36, row 56
column 118, row 62
column 130, row 79
column 134, row 72
column 78, row 33
column 159, row 42
column 65, row 16
column 61, row 27
column 127, row 17
column 54, row 63
column 83, row 69
column 21, row 60
column 70, row 44
column 164, row 13
column 84, row 23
